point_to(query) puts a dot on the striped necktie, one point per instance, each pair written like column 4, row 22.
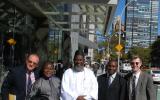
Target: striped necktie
column 133, row 95
column 29, row 84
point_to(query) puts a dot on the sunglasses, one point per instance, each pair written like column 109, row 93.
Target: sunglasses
column 132, row 63
column 31, row 62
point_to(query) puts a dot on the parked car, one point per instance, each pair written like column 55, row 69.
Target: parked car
column 125, row 67
column 155, row 73
column 156, row 76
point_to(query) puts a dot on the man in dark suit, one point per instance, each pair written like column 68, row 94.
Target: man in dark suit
column 19, row 79
column 111, row 86
column 140, row 85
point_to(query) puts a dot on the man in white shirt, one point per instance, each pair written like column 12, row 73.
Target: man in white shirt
column 79, row 83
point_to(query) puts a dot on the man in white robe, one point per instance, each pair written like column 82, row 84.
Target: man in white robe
column 79, row 83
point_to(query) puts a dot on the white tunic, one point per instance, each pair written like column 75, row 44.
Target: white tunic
column 75, row 84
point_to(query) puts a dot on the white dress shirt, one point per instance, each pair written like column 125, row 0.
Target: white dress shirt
column 32, row 79
column 136, row 81
column 75, row 84
column 112, row 77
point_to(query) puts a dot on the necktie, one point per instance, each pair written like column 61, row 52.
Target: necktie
column 29, row 84
column 133, row 88
column 109, row 81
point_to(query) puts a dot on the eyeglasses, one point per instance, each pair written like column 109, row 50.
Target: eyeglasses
column 31, row 62
column 132, row 63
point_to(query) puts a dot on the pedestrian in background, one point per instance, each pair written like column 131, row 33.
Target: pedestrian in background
column 102, row 67
column 140, row 84
column 59, row 69
column 47, row 86
column 19, row 79
column 79, row 82
column 111, row 85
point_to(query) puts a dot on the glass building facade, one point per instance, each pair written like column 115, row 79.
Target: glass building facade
column 141, row 23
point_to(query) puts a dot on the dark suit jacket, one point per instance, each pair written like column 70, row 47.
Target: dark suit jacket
column 15, row 83
column 116, row 91
column 145, row 89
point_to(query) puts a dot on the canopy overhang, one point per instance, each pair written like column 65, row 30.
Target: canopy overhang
column 99, row 12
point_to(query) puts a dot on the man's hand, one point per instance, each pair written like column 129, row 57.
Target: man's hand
column 81, row 97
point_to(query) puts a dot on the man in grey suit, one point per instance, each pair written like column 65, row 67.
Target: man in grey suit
column 140, row 85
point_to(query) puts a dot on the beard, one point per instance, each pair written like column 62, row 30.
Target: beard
column 79, row 68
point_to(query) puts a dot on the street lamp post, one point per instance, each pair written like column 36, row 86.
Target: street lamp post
column 119, row 41
column 119, row 32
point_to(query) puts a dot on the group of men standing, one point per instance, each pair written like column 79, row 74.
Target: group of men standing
column 136, row 85
column 80, row 83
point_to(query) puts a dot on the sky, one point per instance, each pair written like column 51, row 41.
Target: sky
column 118, row 12
column 120, row 7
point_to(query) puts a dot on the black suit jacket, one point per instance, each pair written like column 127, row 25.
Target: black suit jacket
column 15, row 83
column 116, row 91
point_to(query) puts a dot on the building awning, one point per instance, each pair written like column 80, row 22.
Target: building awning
column 99, row 12
column 86, row 42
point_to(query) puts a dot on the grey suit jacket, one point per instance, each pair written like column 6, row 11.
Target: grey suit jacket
column 145, row 89
column 44, row 87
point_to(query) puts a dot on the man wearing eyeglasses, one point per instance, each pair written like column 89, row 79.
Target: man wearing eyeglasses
column 19, row 79
column 140, row 84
